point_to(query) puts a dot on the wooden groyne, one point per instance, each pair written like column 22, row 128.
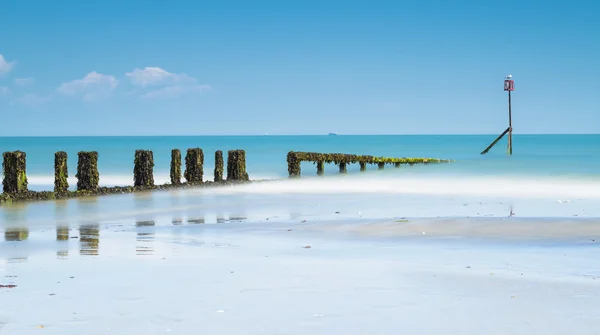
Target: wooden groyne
column 14, row 166
column 294, row 160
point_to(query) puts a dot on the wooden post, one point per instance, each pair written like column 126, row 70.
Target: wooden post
column 396, row 165
column 294, row 168
column 363, row 166
column 381, row 166
column 218, row 166
column 87, row 175
column 15, row 176
column 175, row 167
column 61, row 172
column 320, row 168
column 143, row 170
column 236, row 165
column 343, row 167
column 194, row 166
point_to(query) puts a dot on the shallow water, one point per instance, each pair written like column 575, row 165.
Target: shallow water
column 293, row 277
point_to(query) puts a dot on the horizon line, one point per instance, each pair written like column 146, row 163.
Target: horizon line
column 266, row 135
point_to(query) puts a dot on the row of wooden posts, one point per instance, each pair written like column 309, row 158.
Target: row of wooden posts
column 88, row 178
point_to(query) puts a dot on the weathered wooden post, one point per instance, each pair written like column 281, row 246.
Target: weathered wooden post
column 320, row 168
column 61, row 172
column 87, row 175
column 381, row 165
column 175, row 167
column 194, row 166
column 15, row 176
column 363, row 166
column 219, row 166
column 294, row 169
column 396, row 165
column 236, row 165
column 343, row 167
column 143, row 168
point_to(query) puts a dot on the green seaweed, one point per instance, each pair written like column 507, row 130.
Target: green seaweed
column 87, row 175
column 218, row 166
column 61, row 172
column 143, row 169
column 194, row 166
column 14, row 166
column 175, row 167
column 294, row 160
column 236, row 165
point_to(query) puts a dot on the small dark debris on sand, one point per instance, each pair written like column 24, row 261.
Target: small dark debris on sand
column 8, row 286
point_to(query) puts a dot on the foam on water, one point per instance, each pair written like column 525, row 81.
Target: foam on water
column 518, row 187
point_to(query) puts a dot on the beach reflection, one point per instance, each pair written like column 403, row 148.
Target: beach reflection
column 62, row 237
column 145, row 237
column 89, row 239
column 12, row 234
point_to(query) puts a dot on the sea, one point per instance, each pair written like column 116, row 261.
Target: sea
column 546, row 176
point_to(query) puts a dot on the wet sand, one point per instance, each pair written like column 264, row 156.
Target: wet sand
column 292, row 277
column 280, row 260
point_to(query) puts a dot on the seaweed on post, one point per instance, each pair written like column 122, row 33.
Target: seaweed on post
column 320, row 168
column 14, row 166
column 143, row 169
column 175, row 167
column 218, row 166
column 236, row 165
column 87, row 175
column 61, row 173
column 293, row 161
column 194, row 166
column 343, row 167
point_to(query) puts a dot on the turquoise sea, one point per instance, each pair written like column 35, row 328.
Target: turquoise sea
column 547, row 176
column 534, row 156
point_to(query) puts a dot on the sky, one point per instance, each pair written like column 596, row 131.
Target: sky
column 297, row 67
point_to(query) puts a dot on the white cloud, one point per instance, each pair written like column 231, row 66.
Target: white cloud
column 175, row 91
column 24, row 81
column 5, row 66
column 91, row 87
column 154, row 76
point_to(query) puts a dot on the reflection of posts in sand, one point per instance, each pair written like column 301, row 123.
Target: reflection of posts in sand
column 89, row 239
column 239, row 217
column 195, row 220
column 12, row 234
column 145, row 237
column 62, row 236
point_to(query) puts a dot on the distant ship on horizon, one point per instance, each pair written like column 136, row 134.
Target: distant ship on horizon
column 332, row 134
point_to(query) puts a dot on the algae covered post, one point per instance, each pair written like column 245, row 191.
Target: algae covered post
column 294, row 165
column 194, row 166
column 14, row 166
column 87, row 175
column 236, row 165
column 175, row 167
column 219, row 166
column 143, row 170
column 320, row 168
column 61, row 172
column 343, row 167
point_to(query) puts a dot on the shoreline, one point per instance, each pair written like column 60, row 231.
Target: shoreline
column 36, row 196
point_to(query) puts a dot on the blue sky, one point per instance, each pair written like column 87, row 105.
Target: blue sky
column 303, row 67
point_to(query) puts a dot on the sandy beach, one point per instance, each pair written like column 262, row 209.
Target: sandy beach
column 183, row 263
